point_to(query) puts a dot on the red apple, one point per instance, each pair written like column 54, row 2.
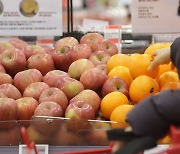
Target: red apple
column 55, row 95
column 2, row 94
column 49, row 50
column 13, row 61
column 42, row 62
column 66, row 41
column 66, row 138
column 92, row 39
column 11, row 137
column 26, row 107
column 81, row 51
column 80, row 109
column 10, row 91
column 108, row 46
column 115, row 84
column 25, row 78
column 37, row 137
column 99, row 57
column 35, row 89
column 5, row 78
column 2, row 69
column 93, row 79
column 8, row 111
column 30, row 50
column 17, row 43
column 53, row 76
column 4, row 46
column 63, row 58
column 88, row 96
column 102, row 67
column 78, row 67
column 71, row 87
column 48, row 126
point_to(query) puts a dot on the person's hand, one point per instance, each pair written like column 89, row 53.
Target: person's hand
column 161, row 56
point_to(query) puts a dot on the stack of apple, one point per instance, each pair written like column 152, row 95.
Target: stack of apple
column 64, row 81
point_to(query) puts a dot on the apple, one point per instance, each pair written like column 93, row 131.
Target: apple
column 30, row 50
column 115, row 84
column 96, row 137
column 55, row 95
column 42, row 62
column 63, row 57
column 76, row 124
column 93, row 79
column 108, row 46
column 88, row 96
column 66, row 138
column 81, row 51
column 9, row 111
column 5, row 78
column 25, row 78
column 53, row 76
column 2, row 94
column 71, row 87
column 4, row 46
column 17, row 43
column 66, row 41
column 10, row 137
column 78, row 67
column 10, row 91
column 92, row 39
column 102, row 67
column 35, row 89
column 47, row 126
column 99, row 57
column 26, row 107
column 13, row 61
column 36, row 137
column 49, row 50
column 2, row 69
column 80, row 109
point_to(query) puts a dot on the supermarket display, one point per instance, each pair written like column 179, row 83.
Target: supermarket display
column 77, row 92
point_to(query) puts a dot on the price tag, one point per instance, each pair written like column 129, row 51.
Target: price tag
column 114, row 33
column 155, row 16
column 41, row 148
column 93, row 25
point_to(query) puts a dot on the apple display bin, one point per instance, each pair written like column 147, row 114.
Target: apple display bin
column 59, row 133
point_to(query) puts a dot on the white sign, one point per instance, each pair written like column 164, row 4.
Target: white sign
column 41, row 148
column 30, row 17
column 93, row 25
column 155, row 16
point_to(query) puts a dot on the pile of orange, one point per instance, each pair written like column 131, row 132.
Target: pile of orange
column 132, row 68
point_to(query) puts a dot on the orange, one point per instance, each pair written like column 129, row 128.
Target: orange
column 119, row 115
column 142, row 87
column 117, row 60
column 167, row 77
column 165, row 68
column 165, row 140
column 171, row 85
column 156, row 46
column 111, row 101
column 139, row 64
column 122, row 72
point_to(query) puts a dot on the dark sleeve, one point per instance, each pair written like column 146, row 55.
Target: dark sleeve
column 154, row 115
column 175, row 53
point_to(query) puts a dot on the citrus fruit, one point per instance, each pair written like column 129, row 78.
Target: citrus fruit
column 111, row 101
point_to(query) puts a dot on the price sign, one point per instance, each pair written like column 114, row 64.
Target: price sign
column 155, row 16
column 30, row 17
column 41, row 148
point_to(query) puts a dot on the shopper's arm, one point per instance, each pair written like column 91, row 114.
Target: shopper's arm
column 154, row 115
